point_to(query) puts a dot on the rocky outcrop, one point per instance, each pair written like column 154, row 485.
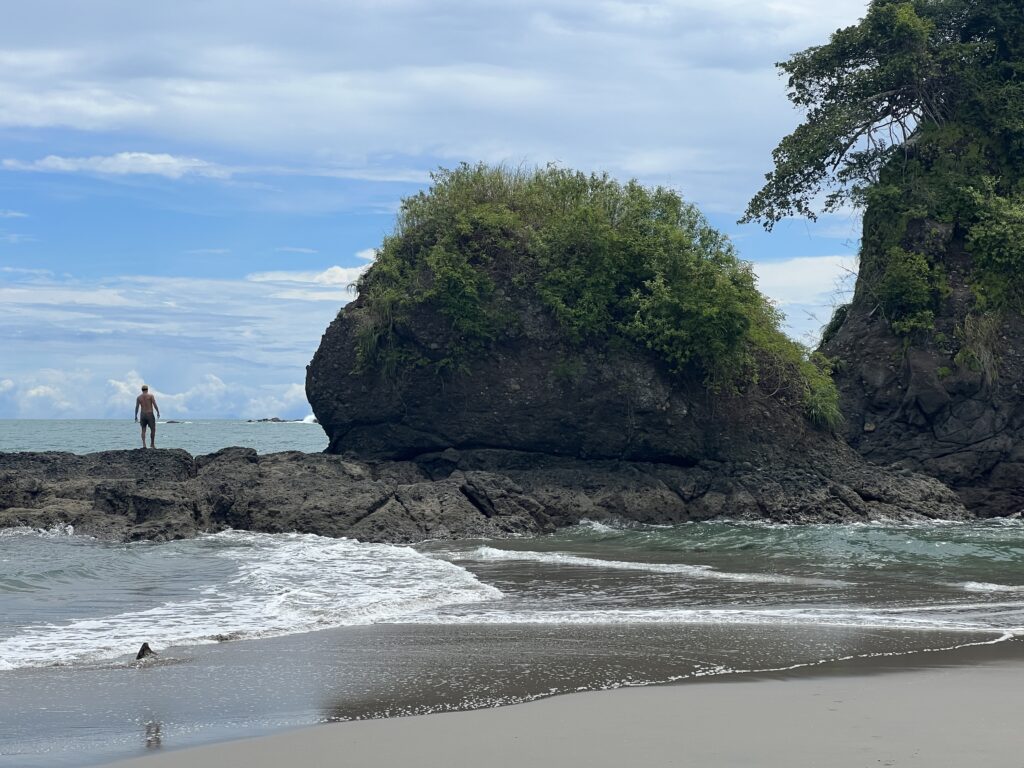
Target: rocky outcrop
column 531, row 393
column 168, row 494
column 949, row 404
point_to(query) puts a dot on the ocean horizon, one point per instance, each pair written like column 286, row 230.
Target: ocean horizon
column 197, row 436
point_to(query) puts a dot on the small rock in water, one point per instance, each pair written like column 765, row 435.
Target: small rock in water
column 144, row 652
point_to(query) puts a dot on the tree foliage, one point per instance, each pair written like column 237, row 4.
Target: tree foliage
column 610, row 262
column 917, row 115
column 897, row 79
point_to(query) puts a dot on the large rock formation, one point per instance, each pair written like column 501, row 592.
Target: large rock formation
column 534, row 392
column 598, row 431
column 949, row 403
column 167, row 494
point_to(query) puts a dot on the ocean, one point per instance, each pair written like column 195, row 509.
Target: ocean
column 260, row 632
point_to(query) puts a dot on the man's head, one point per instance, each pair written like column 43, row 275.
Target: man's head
column 145, row 387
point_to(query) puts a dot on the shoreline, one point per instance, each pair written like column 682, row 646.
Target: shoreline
column 949, row 708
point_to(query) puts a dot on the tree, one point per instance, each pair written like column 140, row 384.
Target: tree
column 916, row 115
column 910, row 74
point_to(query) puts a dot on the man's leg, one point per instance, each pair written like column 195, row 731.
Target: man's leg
column 152, row 433
column 143, row 423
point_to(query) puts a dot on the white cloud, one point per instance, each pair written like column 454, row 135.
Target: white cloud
column 62, row 295
column 12, row 215
column 332, row 276
column 44, row 400
column 124, row 164
column 806, row 280
column 27, row 271
column 367, row 254
column 277, row 402
column 671, row 90
column 298, row 294
column 255, row 338
column 294, row 249
column 15, row 239
column 209, row 251
column 807, row 289
column 6, row 385
column 206, row 397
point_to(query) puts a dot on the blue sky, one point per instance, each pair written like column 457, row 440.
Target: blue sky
column 188, row 188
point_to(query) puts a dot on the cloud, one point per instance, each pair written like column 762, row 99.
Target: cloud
column 677, row 91
column 332, row 276
column 254, row 337
column 209, row 251
column 294, row 249
column 207, row 397
column 806, row 280
column 298, row 294
column 277, row 402
column 211, row 396
column 12, row 215
column 27, row 271
column 367, row 254
column 124, row 164
column 63, row 295
column 49, row 397
column 58, row 294
column 15, row 239
column 6, row 385
column 807, row 289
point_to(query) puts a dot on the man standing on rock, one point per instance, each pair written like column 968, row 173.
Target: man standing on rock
column 147, row 403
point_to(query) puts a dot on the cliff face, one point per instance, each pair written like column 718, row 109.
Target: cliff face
column 950, row 403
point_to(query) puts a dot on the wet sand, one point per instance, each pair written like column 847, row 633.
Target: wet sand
column 931, row 710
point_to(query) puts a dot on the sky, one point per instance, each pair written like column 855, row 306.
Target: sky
column 188, row 189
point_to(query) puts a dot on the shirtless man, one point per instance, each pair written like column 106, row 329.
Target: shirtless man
column 147, row 403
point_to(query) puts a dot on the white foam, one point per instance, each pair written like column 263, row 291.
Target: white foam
column 285, row 584
column 855, row 618
column 683, row 569
column 58, row 530
column 598, row 527
column 982, row 586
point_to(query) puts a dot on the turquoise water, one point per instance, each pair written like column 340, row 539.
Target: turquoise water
column 196, row 437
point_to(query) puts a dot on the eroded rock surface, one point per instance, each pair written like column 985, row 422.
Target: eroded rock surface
column 949, row 404
column 168, row 494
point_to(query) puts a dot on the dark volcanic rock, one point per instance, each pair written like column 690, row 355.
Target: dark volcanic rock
column 534, row 394
column 950, row 405
column 165, row 494
column 531, row 394
column 539, row 434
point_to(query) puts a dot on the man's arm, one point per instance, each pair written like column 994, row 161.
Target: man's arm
column 137, row 404
column 156, row 408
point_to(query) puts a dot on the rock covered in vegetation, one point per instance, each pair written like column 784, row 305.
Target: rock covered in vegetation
column 563, row 314
column 916, row 114
column 167, row 494
column 948, row 403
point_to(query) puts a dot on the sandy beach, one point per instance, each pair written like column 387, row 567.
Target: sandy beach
column 951, row 709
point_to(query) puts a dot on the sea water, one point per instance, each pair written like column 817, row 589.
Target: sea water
column 257, row 632
column 197, row 436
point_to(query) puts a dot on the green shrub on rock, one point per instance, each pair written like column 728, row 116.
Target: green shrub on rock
column 611, row 263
